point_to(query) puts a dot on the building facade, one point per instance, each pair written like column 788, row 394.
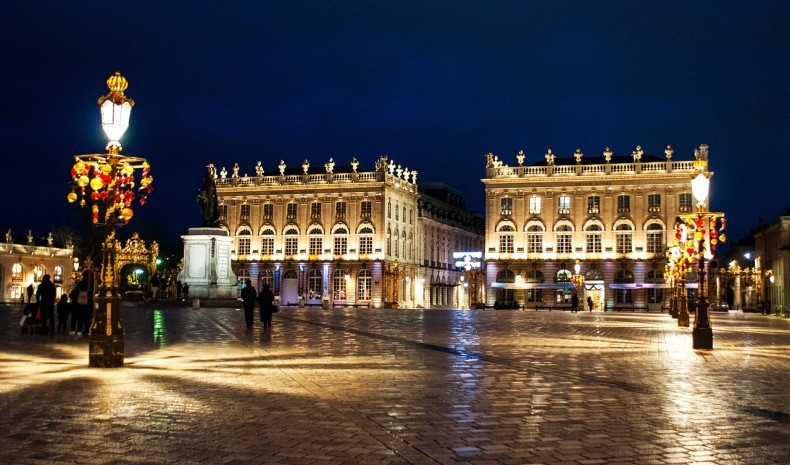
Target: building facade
column 23, row 264
column 598, row 227
column 446, row 227
column 772, row 247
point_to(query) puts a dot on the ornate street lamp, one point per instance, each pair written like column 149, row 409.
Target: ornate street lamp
column 703, row 244
column 105, row 183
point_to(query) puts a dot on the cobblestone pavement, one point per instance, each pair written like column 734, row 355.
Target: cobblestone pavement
column 369, row 386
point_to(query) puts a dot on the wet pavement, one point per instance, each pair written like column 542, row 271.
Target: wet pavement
column 367, row 386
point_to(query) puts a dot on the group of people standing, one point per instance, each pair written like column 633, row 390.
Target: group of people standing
column 74, row 306
column 265, row 301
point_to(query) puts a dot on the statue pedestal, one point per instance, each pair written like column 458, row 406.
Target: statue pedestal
column 207, row 264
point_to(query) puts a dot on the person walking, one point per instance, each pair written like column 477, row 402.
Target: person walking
column 154, row 286
column 63, row 312
column 79, row 308
column 266, row 303
column 574, row 303
column 179, row 289
column 248, row 297
column 45, row 295
column 185, row 289
column 589, row 303
column 30, row 294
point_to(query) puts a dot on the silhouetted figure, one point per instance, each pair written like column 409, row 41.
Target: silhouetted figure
column 186, row 291
column 80, row 299
column 266, row 302
column 589, row 303
column 45, row 295
column 574, row 303
column 154, row 286
column 30, row 293
column 179, row 290
column 63, row 312
column 207, row 201
column 248, row 296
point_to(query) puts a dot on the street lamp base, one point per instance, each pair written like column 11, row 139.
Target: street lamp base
column 106, row 351
column 702, row 338
column 683, row 320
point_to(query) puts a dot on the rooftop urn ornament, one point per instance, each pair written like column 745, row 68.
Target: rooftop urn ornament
column 668, row 152
column 520, row 157
column 607, row 155
column 305, row 166
column 578, row 155
column 30, row 236
column 259, row 169
column 282, row 167
column 391, row 167
column 354, row 164
column 399, row 171
column 330, row 166
column 550, row 157
column 235, row 170
column 637, row 154
column 414, row 177
column 224, row 173
column 406, row 173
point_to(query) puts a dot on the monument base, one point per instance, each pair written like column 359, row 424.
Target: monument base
column 207, row 267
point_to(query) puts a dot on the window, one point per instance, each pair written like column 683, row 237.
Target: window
column 366, row 245
column 593, row 205
column 655, row 296
column 339, row 285
column 340, row 209
column 506, row 238
column 364, row 280
column 506, row 206
column 341, row 245
column 340, row 240
column 411, row 216
column 57, row 275
column 316, row 245
column 623, row 203
column 404, row 213
column 267, row 241
column 397, row 212
column 534, row 239
column 563, row 276
column 366, row 207
column 223, row 212
column 389, row 209
column 396, row 243
column 245, row 212
column 654, row 202
column 389, row 241
column 593, row 238
column 267, row 277
column 564, row 205
column 314, row 284
column 315, row 210
column 684, row 201
column 654, row 277
column 268, row 211
column 564, row 239
column 244, row 242
column 624, row 238
column 623, row 296
column 290, row 211
column 534, row 205
column 291, row 240
column 16, row 272
column 655, row 238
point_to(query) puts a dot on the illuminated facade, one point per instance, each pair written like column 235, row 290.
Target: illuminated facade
column 594, row 226
column 772, row 246
column 332, row 236
column 23, row 264
column 445, row 227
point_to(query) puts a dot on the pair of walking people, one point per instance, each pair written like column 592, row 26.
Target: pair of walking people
column 265, row 301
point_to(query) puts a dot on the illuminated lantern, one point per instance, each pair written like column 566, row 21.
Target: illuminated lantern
column 72, row 197
column 127, row 214
column 83, row 181
column 96, row 183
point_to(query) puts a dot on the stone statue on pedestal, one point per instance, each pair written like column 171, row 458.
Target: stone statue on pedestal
column 207, row 201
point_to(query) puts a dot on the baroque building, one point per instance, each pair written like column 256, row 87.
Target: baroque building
column 772, row 247
column 594, row 226
column 332, row 235
column 23, row 264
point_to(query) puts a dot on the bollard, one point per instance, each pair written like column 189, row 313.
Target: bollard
column 195, row 304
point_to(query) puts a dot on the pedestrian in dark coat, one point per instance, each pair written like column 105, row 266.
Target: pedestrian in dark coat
column 80, row 299
column 589, row 303
column 248, row 296
column 574, row 303
column 45, row 295
column 63, row 312
column 179, row 288
column 266, row 303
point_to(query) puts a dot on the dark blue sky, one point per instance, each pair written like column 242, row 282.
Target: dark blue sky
column 433, row 85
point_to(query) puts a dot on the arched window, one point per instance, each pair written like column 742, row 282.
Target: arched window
column 624, row 236
column 564, row 238
column 655, row 238
column 506, row 276
column 535, row 233
column 339, row 285
column 505, row 231
column 654, row 277
column 534, row 276
column 594, row 235
column 242, row 276
column 267, row 240
column 57, row 275
column 38, row 273
column 364, row 281
column 396, row 243
column 267, row 277
column 563, row 276
column 316, row 237
column 340, row 233
column 314, row 284
column 16, row 272
column 244, row 236
column 290, row 274
column 365, row 234
column 291, row 234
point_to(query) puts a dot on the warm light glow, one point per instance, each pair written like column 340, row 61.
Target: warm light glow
column 699, row 187
column 115, row 120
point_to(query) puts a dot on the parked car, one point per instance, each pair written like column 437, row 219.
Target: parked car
column 719, row 307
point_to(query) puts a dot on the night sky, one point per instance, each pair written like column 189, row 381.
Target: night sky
column 433, row 85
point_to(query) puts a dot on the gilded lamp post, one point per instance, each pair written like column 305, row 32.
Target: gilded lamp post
column 706, row 229
column 105, row 183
